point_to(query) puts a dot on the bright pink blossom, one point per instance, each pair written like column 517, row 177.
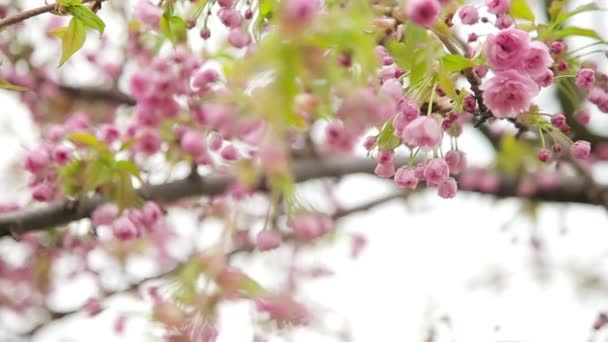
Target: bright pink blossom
column 585, row 78
column 423, row 12
column 498, row 6
column 509, row 93
column 538, row 59
column 580, row 149
column 468, row 14
column 507, row 49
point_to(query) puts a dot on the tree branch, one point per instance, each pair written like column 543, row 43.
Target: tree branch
column 57, row 214
column 22, row 16
column 98, row 95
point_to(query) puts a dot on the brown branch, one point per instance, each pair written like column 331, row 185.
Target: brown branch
column 22, row 16
column 57, row 214
column 98, row 95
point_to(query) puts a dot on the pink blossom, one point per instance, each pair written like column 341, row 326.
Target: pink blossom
column 203, row 78
column 544, row 155
column 92, row 307
column 546, row 79
column 230, row 17
column 498, row 6
column 538, row 59
column 104, row 214
column 447, row 188
column 580, row 149
column 239, row 38
column 215, row 141
column 424, row 132
column 229, row 152
column 301, row 11
column 583, row 117
column 125, row 230
column 193, row 143
column 507, row 49
column 436, row 171
column 385, row 170
column 423, row 12
column 282, row 309
column 309, row 226
column 585, row 78
column 267, row 240
column 558, row 47
column 148, row 13
column 393, row 89
column 62, row 154
column 509, row 93
column 151, row 214
column 43, row 192
column 504, row 21
column 406, row 178
column 468, row 14
column 456, row 160
column 37, row 160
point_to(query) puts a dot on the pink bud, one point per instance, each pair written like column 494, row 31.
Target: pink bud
column 193, row 143
column 447, row 188
column 105, row 214
column 585, row 78
column 267, row 240
column 436, row 171
column 36, row 160
column 468, row 14
column 457, row 161
column 239, row 38
column 92, row 307
column 385, row 170
column 580, row 149
column 43, row 192
column 544, row 155
column 124, row 229
column 406, row 178
column 229, row 153
column 62, row 154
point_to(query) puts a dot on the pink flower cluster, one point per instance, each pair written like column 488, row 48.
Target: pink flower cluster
column 521, row 67
column 131, row 224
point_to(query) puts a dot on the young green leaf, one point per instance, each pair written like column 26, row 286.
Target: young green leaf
column 88, row 18
column 69, row 3
column 453, row 63
column 84, row 138
column 521, row 10
column 563, row 16
column 72, row 38
column 577, row 31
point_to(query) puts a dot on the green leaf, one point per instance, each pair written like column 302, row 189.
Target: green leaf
column 577, row 31
column 124, row 194
column 69, row 3
column 72, row 39
column 129, row 167
column 387, row 139
column 250, row 287
column 88, row 18
column 96, row 173
column 563, row 16
column 446, row 83
column 4, row 84
column 521, row 10
column 85, row 138
column 454, row 63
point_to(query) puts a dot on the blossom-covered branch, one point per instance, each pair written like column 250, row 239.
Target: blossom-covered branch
column 27, row 14
column 52, row 215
